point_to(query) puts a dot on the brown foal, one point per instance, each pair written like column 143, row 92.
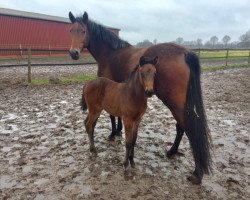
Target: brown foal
column 127, row 100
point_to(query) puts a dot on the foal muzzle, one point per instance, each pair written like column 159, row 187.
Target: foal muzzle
column 149, row 93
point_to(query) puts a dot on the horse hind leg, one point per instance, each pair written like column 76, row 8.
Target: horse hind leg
column 90, row 123
column 174, row 149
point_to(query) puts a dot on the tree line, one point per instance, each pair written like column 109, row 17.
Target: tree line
column 214, row 42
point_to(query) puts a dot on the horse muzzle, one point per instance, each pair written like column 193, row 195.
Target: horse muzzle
column 149, row 93
column 75, row 54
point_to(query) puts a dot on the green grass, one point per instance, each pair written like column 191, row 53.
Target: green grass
column 222, row 54
column 65, row 80
column 77, row 79
column 40, row 81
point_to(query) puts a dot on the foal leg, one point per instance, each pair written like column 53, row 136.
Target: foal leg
column 174, row 149
column 135, row 132
column 90, row 123
column 128, row 124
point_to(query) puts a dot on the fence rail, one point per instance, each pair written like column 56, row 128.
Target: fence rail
column 15, row 57
column 50, row 57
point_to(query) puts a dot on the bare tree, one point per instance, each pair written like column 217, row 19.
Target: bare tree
column 245, row 39
column 199, row 43
column 144, row 43
column 225, row 40
column 179, row 40
column 155, row 41
column 214, row 40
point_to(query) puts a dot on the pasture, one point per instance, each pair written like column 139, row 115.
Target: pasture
column 44, row 150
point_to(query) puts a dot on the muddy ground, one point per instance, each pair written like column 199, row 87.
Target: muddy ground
column 44, row 152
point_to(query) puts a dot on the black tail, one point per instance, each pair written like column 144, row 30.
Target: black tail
column 196, row 126
column 83, row 102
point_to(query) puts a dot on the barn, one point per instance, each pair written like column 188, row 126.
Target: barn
column 19, row 29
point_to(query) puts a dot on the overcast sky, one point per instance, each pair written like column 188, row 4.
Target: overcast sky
column 164, row 20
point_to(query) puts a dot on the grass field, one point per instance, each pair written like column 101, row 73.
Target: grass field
column 232, row 54
column 82, row 78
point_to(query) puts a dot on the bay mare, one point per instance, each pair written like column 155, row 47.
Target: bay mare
column 127, row 100
column 177, row 82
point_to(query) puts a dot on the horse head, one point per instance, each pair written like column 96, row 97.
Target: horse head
column 147, row 71
column 79, row 35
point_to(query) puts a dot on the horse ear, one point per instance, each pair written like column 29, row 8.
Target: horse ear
column 72, row 18
column 155, row 60
column 142, row 60
column 85, row 18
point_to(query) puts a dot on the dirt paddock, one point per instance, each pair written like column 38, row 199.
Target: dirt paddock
column 44, row 152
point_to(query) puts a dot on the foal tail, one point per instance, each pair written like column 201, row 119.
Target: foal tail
column 196, row 126
column 83, row 104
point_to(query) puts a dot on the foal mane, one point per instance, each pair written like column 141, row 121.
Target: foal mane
column 101, row 32
column 146, row 60
column 133, row 73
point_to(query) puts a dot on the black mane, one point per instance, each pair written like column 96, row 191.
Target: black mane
column 104, row 34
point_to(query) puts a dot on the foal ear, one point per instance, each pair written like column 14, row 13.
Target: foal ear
column 142, row 60
column 155, row 60
column 72, row 18
column 85, row 18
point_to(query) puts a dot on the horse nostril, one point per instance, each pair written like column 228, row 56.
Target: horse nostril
column 74, row 54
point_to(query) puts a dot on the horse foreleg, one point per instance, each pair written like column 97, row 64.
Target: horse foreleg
column 113, row 131
column 119, row 127
column 174, row 149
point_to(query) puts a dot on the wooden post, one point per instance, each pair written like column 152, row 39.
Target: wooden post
column 49, row 50
column 249, row 57
column 21, row 52
column 227, row 57
column 29, row 66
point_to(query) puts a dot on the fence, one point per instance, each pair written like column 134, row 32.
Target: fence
column 12, row 57
column 224, row 56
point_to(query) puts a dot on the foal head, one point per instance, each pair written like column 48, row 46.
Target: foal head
column 147, row 73
column 79, row 35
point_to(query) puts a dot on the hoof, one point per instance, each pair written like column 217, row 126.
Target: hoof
column 111, row 137
column 194, row 179
column 118, row 133
column 132, row 163
column 171, row 153
column 93, row 150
